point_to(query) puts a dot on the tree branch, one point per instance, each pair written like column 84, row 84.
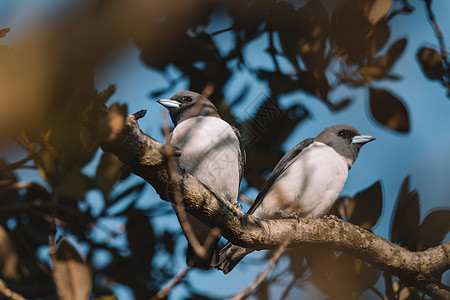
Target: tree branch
column 8, row 293
column 147, row 158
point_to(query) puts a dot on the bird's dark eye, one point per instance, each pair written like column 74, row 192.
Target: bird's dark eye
column 188, row 99
column 341, row 133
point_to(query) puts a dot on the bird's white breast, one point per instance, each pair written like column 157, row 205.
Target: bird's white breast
column 309, row 186
column 210, row 152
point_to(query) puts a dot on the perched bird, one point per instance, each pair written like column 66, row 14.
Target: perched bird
column 305, row 183
column 212, row 151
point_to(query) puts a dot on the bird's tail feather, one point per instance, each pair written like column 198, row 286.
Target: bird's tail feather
column 230, row 256
column 195, row 261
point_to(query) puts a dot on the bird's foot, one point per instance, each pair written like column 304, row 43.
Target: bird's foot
column 331, row 217
column 292, row 215
column 236, row 204
column 171, row 151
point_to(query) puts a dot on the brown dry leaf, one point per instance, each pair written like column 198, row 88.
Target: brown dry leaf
column 73, row 278
column 376, row 10
column 8, row 256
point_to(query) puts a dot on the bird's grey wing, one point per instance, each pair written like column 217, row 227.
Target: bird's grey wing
column 282, row 165
column 242, row 156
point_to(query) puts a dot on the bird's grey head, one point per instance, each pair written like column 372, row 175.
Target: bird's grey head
column 345, row 140
column 187, row 104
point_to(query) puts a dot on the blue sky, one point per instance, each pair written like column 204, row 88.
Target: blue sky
column 423, row 153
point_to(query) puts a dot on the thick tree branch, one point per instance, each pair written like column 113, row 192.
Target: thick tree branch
column 147, row 158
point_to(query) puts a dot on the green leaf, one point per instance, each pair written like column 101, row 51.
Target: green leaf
column 389, row 111
column 108, row 172
column 73, row 278
column 431, row 62
column 433, row 229
column 405, row 225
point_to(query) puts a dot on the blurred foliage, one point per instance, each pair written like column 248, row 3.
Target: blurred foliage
column 52, row 111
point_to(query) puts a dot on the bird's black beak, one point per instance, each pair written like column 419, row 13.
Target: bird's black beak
column 362, row 139
column 169, row 103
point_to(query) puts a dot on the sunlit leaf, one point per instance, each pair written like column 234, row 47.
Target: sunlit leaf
column 8, row 256
column 112, row 124
column 376, row 10
column 405, row 225
column 433, row 229
column 389, row 111
column 73, row 278
column 108, row 171
column 372, row 71
column 3, row 32
column 431, row 62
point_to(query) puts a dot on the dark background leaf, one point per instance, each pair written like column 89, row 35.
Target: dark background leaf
column 433, row 229
column 389, row 110
column 405, row 224
column 365, row 208
column 431, row 62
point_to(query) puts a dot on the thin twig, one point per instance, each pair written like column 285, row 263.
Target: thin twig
column 15, row 186
column 222, row 31
column 171, row 284
column 246, row 199
column 440, row 38
column 275, row 257
column 8, row 293
column 288, row 288
column 378, row 293
column 51, row 243
column 273, row 51
column 25, row 206
column 18, row 164
column 181, row 212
